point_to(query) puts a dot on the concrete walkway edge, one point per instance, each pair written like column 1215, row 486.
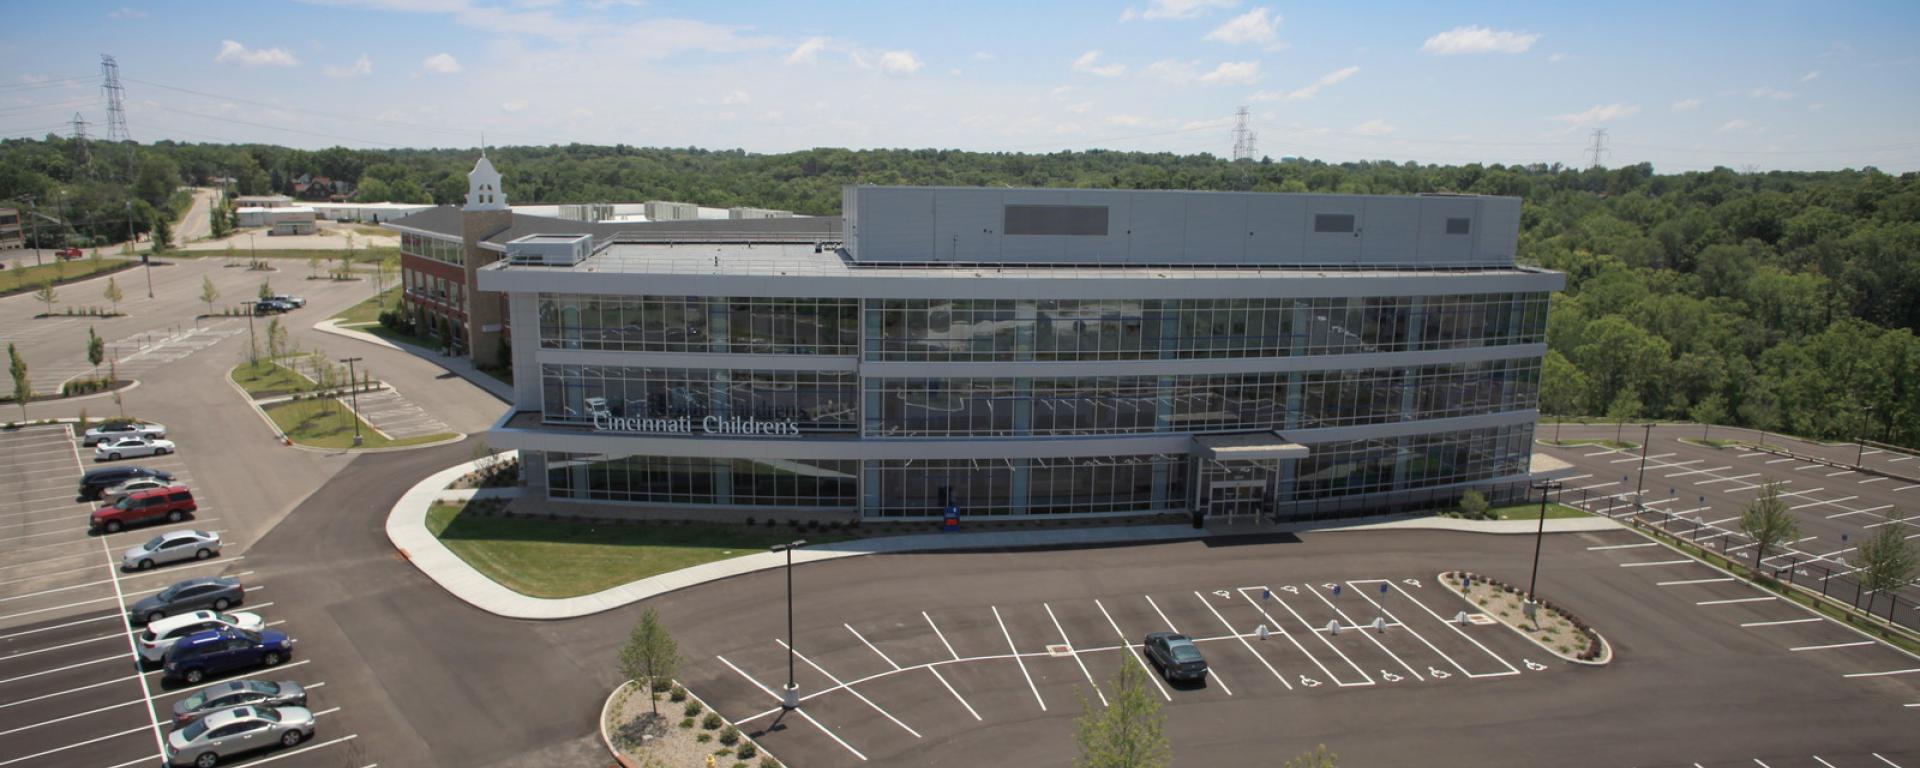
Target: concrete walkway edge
column 458, row 366
column 407, row 529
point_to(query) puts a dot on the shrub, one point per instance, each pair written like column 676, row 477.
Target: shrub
column 767, row 761
column 730, row 736
column 749, row 521
column 686, row 722
column 1474, row 506
column 677, row 694
column 660, row 686
column 747, row 750
column 693, row 708
column 711, row 721
column 703, row 737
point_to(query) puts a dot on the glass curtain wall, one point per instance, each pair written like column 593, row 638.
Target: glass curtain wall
column 818, row 401
column 797, row 482
column 700, row 324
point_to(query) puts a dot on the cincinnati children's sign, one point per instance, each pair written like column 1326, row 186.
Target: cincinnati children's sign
column 744, row 426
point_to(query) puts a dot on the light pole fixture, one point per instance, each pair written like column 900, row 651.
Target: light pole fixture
column 353, row 393
column 790, row 697
column 1547, row 487
column 1641, row 481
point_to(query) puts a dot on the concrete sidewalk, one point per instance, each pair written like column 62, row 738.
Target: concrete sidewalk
column 453, row 363
column 407, row 529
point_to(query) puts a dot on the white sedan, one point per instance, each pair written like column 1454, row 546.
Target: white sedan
column 111, row 430
column 113, row 494
column 162, row 634
column 122, row 447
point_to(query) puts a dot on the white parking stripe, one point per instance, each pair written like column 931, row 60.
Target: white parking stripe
column 1243, row 641
column 74, row 745
column 1872, row 480
column 1649, row 458
column 1726, row 479
column 1075, row 654
column 18, row 654
column 1135, row 652
column 1623, row 546
column 1016, row 658
column 1778, row 623
column 1654, row 563
column 1820, row 503
column 1698, row 471
column 1211, row 673
column 1883, row 674
column 1776, row 461
column 1751, row 453
column 1860, row 511
column 1692, row 581
column 1835, row 645
column 849, row 689
column 1907, row 487
column 803, row 713
column 1884, row 760
column 1370, row 635
column 1290, row 638
column 1736, row 600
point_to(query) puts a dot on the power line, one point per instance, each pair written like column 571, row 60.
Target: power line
column 1827, row 151
column 49, row 105
column 355, row 119
column 48, row 83
column 235, row 121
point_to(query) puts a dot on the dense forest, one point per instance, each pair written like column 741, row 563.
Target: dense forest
column 1777, row 300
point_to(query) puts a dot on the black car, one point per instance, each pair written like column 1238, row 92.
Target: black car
column 1176, row 656
column 270, row 307
column 95, row 481
column 215, row 593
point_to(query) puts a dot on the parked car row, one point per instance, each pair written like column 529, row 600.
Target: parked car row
column 276, row 304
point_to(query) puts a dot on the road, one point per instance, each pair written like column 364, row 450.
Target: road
column 197, row 223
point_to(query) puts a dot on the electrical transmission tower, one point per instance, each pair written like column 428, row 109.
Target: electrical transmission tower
column 1599, row 148
column 116, row 107
column 80, row 141
column 1243, row 138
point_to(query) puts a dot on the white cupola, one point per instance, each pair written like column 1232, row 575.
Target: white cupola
column 483, row 188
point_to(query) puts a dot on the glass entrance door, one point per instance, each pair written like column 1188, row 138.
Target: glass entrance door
column 1234, row 498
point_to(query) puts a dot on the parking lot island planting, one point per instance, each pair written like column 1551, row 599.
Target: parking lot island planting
column 1550, row 625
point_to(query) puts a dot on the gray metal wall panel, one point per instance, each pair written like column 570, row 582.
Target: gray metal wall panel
column 1278, row 224
column 1217, row 229
column 898, row 223
column 1389, row 235
column 1499, row 230
column 1156, row 230
column 850, row 211
column 967, row 227
column 1334, row 248
column 1111, row 249
column 1435, row 244
column 1032, row 248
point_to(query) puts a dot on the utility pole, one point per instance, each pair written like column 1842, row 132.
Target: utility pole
column 789, row 698
column 1242, row 138
column 1599, row 147
column 116, row 108
column 32, row 217
column 1641, row 481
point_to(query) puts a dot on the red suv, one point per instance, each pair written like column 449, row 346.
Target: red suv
column 172, row 504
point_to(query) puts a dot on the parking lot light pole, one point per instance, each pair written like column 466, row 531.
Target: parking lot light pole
column 1546, row 489
column 1641, row 481
column 790, row 697
column 353, row 393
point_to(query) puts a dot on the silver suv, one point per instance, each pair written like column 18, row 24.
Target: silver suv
column 224, row 734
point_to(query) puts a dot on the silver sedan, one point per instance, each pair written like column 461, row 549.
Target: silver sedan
column 170, row 547
column 237, row 731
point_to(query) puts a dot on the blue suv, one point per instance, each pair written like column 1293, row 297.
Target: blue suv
column 223, row 650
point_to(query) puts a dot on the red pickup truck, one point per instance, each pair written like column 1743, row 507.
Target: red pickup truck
column 69, row 254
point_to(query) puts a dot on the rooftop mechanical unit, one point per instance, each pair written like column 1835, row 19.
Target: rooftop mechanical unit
column 549, row 250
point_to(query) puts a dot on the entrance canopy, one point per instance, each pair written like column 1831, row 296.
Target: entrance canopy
column 1246, row 446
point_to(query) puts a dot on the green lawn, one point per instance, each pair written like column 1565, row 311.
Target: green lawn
column 1532, row 512
column 29, row 278
column 544, row 558
column 361, row 255
column 369, row 311
column 265, row 379
column 324, row 423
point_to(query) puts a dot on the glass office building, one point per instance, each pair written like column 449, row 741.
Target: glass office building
column 1008, row 352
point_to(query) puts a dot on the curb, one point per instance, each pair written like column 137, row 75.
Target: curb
column 406, row 529
column 484, row 384
column 281, row 437
column 1605, row 658
column 607, row 739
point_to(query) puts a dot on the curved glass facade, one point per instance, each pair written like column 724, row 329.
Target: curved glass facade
column 817, row 401
column 795, row 482
column 700, row 324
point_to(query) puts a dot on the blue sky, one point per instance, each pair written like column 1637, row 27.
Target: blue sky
column 1684, row 85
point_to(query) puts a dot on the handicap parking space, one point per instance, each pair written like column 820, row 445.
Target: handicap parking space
column 72, row 688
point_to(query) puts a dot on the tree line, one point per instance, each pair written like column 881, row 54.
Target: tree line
column 1779, row 300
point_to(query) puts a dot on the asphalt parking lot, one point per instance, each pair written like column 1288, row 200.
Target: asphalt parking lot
column 72, row 690
column 1706, row 488
column 985, row 658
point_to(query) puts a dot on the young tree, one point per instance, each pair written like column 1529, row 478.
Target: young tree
column 346, row 259
column 650, row 655
column 313, row 265
column 1474, row 506
column 22, row 386
column 47, row 295
column 276, row 340
column 266, row 288
column 208, row 293
column 96, row 349
column 114, row 294
column 232, row 254
column 1888, row 560
column 1318, row 758
column 1131, row 733
column 162, row 234
column 1767, row 521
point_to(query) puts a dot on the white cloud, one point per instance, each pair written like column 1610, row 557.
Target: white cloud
column 899, row 63
column 234, row 53
column 1810, row 76
column 1768, row 92
column 1256, row 26
column 360, row 68
column 1479, row 40
column 1176, row 9
column 1556, row 58
column 1686, row 105
column 125, row 12
column 1310, row 90
column 1172, row 71
column 1080, row 108
column 1735, row 124
column 1233, row 73
column 443, row 63
column 1089, row 63
column 1373, row 128
column 513, row 106
column 1599, row 114
column 1126, row 120
column 736, row 97
column 807, row 51
column 983, row 56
